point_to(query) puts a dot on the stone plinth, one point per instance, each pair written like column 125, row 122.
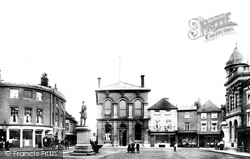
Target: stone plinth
column 83, row 146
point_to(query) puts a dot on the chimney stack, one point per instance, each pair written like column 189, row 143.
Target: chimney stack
column 99, row 82
column 44, row 80
column 142, row 80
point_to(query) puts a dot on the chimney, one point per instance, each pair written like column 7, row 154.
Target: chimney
column 198, row 103
column 142, row 80
column 99, row 82
column 44, row 80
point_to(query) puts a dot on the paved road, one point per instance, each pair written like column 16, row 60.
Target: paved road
column 181, row 153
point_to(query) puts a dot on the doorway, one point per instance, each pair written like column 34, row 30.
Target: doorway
column 123, row 137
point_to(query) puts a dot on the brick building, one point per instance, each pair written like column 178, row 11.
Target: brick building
column 163, row 124
column 122, row 114
column 209, row 124
column 187, row 126
column 28, row 112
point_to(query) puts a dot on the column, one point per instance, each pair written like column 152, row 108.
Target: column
column 43, row 134
column 7, row 134
column 115, row 133
column 130, row 131
column 130, row 111
column 99, row 111
column 115, row 110
column 34, row 138
column 21, row 138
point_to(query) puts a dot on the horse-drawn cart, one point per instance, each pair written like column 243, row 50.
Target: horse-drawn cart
column 49, row 142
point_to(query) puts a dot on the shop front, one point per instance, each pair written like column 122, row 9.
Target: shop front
column 162, row 139
column 209, row 140
column 187, row 139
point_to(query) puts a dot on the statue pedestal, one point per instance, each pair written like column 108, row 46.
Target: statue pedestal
column 83, row 146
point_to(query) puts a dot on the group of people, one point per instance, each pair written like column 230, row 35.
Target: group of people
column 4, row 145
column 132, row 146
column 219, row 145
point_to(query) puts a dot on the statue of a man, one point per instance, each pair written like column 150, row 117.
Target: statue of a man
column 83, row 114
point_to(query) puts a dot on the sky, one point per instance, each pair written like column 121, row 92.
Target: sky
column 75, row 42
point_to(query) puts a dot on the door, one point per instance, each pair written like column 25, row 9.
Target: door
column 123, row 137
column 152, row 141
column 38, row 141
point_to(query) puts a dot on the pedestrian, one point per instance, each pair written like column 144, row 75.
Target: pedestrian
column 7, row 146
column 128, row 147
column 138, row 147
column 1, row 145
column 175, row 145
column 133, row 148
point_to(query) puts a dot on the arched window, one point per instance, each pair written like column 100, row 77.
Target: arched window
column 235, row 100
column 57, row 118
column 107, row 108
column 138, row 130
column 122, row 108
column 138, row 108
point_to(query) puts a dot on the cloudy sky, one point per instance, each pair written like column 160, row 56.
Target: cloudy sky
column 75, row 42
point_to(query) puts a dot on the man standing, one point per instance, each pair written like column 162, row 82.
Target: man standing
column 83, row 114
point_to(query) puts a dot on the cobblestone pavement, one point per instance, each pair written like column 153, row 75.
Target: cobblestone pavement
column 181, row 153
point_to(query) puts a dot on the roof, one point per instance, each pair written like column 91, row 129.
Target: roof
column 208, row 107
column 236, row 58
column 187, row 107
column 162, row 104
column 68, row 116
column 122, row 86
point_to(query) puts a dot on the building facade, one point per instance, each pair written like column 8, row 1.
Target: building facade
column 163, row 124
column 238, row 72
column 187, row 126
column 122, row 114
column 28, row 112
column 209, row 125
column 70, row 128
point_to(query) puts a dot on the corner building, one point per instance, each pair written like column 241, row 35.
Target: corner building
column 28, row 112
column 122, row 114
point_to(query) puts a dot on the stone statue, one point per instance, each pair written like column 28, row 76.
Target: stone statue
column 83, row 114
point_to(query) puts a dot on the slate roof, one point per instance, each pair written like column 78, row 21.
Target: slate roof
column 208, row 107
column 122, row 86
column 162, row 104
column 236, row 58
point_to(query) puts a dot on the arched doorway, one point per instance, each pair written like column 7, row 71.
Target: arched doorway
column 123, row 135
column 108, row 133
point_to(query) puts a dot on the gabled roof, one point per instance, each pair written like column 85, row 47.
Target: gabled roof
column 208, row 107
column 162, row 104
column 122, row 86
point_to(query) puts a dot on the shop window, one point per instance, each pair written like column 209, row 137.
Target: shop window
column 203, row 127
column 15, row 138
column 187, row 124
column 27, row 138
column 27, row 115
column 39, row 96
column 214, row 126
column 122, row 108
column 107, row 108
column 39, row 116
column 203, row 115
column 214, row 115
column 138, row 108
column 14, row 93
column 14, row 116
